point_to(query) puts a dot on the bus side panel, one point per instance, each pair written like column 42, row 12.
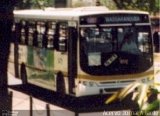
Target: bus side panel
column 40, row 67
column 61, row 62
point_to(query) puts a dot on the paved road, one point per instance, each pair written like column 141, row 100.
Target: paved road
column 41, row 100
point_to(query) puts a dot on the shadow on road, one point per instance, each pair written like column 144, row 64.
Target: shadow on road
column 80, row 105
column 5, row 102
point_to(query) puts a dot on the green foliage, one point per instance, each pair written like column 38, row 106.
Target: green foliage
column 78, row 4
column 109, row 4
column 42, row 3
column 152, row 6
column 153, row 106
column 27, row 4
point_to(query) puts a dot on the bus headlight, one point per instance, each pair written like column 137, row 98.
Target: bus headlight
column 89, row 84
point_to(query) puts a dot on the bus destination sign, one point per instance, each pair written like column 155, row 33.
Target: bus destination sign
column 114, row 19
column 122, row 19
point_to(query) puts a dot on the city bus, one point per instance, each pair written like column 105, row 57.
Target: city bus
column 78, row 51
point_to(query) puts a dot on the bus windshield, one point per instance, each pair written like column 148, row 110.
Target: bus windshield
column 118, row 49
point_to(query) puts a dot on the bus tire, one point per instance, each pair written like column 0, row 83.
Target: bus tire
column 23, row 73
column 60, row 83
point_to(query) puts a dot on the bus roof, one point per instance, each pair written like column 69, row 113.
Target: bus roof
column 67, row 13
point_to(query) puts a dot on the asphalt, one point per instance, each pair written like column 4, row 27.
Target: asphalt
column 31, row 100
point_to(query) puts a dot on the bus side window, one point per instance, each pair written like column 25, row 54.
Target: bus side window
column 35, row 36
column 60, row 37
column 26, row 28
column 45, row 36
column 23, row 37
column 21, row 32
column 63, row 39
column 31, row 29
column 56, row 36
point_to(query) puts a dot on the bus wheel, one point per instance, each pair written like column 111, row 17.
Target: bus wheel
column 23, row 74
column 60, row 84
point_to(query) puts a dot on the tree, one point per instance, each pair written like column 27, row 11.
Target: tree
column 6, row 20
column 24, row 4
column 151, row 6
column 109, row 4
column 27, row 4
column 145, row 5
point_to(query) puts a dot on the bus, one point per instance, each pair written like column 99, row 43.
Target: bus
column 78, row 51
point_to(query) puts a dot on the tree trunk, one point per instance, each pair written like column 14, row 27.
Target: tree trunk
column 6, row 19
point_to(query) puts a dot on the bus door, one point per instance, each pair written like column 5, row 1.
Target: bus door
column 72, row 59
column 65, row 60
